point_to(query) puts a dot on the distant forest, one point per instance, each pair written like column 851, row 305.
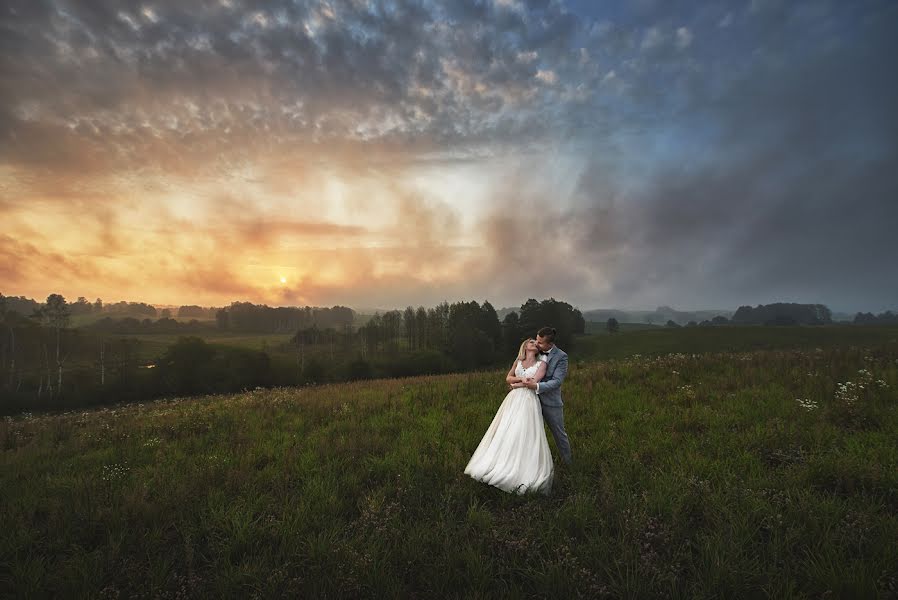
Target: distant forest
column 47, row 363
column 132, row 351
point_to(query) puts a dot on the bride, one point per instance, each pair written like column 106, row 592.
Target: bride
column 514, row 454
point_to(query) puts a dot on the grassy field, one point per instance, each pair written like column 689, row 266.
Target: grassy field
column 769, row 473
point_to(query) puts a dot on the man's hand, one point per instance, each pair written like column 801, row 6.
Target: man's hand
column 529, row 382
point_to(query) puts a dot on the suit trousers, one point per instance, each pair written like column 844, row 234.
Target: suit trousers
column 554, row 418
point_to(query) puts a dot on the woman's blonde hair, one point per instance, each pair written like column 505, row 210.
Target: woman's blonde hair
column 522, row 353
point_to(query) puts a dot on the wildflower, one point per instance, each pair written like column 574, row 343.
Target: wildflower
column 807, row 404
column 115, row 471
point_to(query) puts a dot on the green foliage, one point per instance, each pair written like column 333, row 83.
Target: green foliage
column 192, row 366
column 358, row 368
column 783, row 313
column 567, row 320
column 770, row 473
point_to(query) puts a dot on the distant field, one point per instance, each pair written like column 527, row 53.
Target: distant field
column 654, row 340
column 721, row 475
column 595, row 328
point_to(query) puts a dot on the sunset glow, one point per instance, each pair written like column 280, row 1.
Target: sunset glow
column 386, row 154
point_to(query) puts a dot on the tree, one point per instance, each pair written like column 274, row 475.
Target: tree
column 421, row 327
column 672, row 324
column 437, row 326
column 566, row 320
column 612, row 325
column 511, row 332
column 81, row 306
column 359, row 368
column 166, row 313
column 55, row 312
column 489, row 324
column 783, row 313
column 181, row 367
column 392, row 324
column 408, row 320
column 7, row 317
column 222, row 319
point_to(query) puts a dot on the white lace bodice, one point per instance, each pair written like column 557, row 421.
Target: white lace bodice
column 530, row 371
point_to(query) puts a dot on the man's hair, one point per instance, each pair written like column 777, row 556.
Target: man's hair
column 547, row 333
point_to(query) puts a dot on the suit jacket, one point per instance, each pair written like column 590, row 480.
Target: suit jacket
column 550, row 385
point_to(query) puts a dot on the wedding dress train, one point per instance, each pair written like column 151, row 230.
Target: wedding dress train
column 514, row 453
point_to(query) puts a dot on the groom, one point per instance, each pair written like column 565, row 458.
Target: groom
column 549, row 389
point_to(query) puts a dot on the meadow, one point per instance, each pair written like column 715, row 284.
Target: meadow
column 704, row 468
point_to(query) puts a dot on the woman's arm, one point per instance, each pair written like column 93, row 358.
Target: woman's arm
column 558, row 375
column 510, row 378
column 540, row 373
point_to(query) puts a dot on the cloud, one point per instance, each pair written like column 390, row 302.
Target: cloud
column 654, row 37
column 780, row 189
column 127, row 85
column 659, row 153
column 546, row 76
column 684, row 38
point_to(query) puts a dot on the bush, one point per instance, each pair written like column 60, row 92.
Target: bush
column 358, row 368
column 427, row 362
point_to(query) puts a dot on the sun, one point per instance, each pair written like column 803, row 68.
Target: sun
column 283, row 279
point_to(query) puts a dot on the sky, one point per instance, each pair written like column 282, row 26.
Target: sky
column 610, row 154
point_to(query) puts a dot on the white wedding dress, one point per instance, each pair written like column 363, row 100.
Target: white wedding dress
column 514, row 453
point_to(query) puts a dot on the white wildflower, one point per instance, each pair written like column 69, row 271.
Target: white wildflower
column 807, row 404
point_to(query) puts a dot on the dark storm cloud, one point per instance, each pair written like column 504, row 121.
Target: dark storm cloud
column 134, row 79
column 782, row 184
column 802, row 201
column 734, row 152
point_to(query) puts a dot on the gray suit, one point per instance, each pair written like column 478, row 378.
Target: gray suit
column 549, row 392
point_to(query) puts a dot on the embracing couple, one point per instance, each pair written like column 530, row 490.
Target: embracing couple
column 514, row 453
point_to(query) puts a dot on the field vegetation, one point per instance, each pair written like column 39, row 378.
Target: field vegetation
column 700, row 472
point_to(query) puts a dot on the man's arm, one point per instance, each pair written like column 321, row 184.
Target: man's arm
column 554, row 382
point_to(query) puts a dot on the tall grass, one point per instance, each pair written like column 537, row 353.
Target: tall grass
column 750, row 474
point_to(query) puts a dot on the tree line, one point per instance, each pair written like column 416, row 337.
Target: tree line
column 884, row 318
column 82, row 306
column 783, row 313
column 45, row 363
column 256, row 318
